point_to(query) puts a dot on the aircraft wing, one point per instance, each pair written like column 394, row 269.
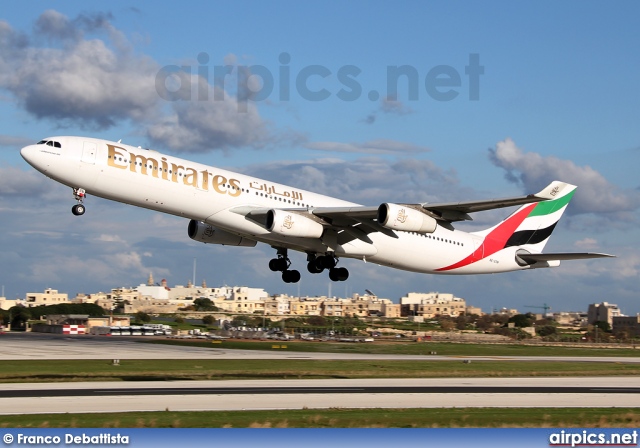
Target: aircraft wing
column 442, row 211
column 532, row 258
column 359, row 221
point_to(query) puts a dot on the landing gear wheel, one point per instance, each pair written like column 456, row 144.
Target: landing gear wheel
column 313, row 268
column 78, row 209
column 326, row 262
column 278, row 264
column 282, row 264
column 338, row 274
column 292, row 276
column 79, row 195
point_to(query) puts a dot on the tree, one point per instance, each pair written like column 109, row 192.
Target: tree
column 91, row 309
column 521, row 320
column 19, row 317
column 446, row 323
column 204, row 304
column 603, row 326
column 141, row 316
column 484, row 322
column 461, row 322
column 119, row 304
column 208, row 320
column 546, row 330
column 317, row 321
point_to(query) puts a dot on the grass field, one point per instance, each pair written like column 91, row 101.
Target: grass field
column 164, row 370
column 410, row 348
column 340, row 418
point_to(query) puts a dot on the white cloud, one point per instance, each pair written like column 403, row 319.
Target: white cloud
column 388, row 106
column 82, row 81
column 202, row 126
column 14, row 141
column 368, row 180
column 595, row 193
column 587, row 244
column 379, row 146
column 110, row 239
column 88, row 74
column 16, row 182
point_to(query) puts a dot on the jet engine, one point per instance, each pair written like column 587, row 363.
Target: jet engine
column 292, row 224
column 401, row 217
column 205, row 233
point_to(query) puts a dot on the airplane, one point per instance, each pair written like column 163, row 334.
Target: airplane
column 239, row 210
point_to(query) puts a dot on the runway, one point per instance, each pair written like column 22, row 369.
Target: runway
column 290, row 394
column 43, row 347
column 318, row 394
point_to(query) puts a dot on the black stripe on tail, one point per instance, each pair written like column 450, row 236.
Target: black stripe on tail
column 530, row 236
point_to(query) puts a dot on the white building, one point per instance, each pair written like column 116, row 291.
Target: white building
column 432, row 304
column 603, row 312
column 6, row 304
column 48, row 297
column 243, row 300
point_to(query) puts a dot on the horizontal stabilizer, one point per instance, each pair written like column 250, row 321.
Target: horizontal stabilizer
column 532, row 258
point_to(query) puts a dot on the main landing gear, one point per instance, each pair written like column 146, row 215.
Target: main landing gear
column 282, row 264
column 79, row 194
column 317, row 264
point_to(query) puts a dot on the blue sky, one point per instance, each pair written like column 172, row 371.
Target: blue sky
column 557, row 96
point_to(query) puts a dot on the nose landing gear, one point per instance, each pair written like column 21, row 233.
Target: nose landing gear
column 79, row 194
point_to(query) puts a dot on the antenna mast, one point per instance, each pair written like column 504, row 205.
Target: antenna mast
column 194, row 271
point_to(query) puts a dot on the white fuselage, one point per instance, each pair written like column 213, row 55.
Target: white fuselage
column 167, row 184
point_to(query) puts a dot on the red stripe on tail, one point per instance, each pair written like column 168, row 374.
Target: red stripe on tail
column 495, row 240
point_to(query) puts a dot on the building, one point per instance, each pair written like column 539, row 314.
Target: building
column 507, row 311
column 568, row 318
column 243, row 299
column 602, row 312
column 305, row 306
column 628, row 324
column 432, row 304
column 78, row 323
column 473, row 310
column 6, row 304
column 48, row 297
column 159, row 292
column 277, row 305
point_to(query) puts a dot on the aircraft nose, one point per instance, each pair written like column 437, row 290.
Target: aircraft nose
column 28, row 152
column 33, row 156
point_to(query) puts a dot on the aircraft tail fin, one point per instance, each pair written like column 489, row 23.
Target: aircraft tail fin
column 531, row 225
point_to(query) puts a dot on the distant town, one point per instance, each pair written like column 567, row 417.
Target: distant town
column 444, row 309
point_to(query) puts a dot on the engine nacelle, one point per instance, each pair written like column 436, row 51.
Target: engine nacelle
column 401, row 217
column 292, row 224
column 205, row 233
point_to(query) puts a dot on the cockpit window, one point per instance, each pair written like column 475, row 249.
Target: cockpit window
column 42, row 142
column 50, row 143
column 57, row 144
